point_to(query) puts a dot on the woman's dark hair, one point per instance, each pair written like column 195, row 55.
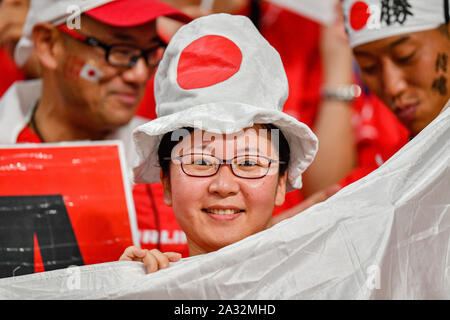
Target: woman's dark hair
column 255, row 13
column 166, row 146
column 168, row 143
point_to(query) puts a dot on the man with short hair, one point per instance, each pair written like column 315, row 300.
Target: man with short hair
column 92, row 77
column 403, row 48
column 96, row 57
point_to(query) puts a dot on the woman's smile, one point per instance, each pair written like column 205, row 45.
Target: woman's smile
column 223, row 213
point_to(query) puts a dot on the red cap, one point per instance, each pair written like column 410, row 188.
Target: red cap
column 129, row 13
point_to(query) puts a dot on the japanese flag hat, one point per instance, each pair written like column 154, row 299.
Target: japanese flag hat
column 220, row 75
column 371, row 20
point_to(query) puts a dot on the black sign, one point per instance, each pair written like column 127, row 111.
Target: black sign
column 23, row 217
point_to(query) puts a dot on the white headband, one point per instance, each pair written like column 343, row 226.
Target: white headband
column 370, row 20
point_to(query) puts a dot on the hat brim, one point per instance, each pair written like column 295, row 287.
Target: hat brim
column 121, row 13
column 302, row 141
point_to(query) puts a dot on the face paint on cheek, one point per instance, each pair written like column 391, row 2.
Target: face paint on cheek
column 75, row 68
column 72, row 67
column 91, row 73
column 440, row 85
column 441, row 62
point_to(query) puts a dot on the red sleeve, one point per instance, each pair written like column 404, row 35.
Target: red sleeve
column 28, row 136
column 147, row 107
column 158, row 228
column 10, row 72
column 379, row 135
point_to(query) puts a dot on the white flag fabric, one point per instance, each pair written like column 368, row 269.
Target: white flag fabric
column 321, row 11
column 384, row 237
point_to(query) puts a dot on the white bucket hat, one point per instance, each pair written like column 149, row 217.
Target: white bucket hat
column 220, row 75
column 370, row 20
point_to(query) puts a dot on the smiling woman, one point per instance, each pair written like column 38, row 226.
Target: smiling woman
column 221, row 145
column 228, row 200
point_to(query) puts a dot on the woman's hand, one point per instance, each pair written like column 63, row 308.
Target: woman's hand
column 153, row 260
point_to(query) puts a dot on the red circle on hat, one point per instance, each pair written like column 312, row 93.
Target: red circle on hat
column 207, row 61
column 359, row 14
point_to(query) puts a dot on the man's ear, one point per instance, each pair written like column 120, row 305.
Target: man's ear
column 281, row 190
column 47, row 45
column 165, row 179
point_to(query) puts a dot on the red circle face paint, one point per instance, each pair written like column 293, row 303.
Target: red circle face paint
column 359, row 14
column 207, row 61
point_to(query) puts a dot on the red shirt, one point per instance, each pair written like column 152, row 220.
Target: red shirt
column 157, row 225
column 9, row 72
column 379, row 135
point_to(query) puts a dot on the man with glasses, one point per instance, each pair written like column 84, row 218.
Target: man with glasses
column 96, row 58
column 92, row 77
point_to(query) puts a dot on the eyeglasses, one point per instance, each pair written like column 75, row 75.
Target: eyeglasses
column 120, row 55
column 244, row 166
